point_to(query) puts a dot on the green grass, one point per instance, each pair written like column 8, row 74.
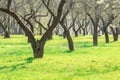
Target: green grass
column 85, row 63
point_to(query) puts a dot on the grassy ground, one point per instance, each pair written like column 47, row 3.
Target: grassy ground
column 85, row 63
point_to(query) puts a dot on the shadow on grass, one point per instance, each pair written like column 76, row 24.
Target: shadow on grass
column 97, row 72
column 90, row 44
column 21, row 65
column 68, row 51
column 29, row 60
column 83, row 44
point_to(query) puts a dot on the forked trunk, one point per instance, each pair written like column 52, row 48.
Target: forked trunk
column 38, row 49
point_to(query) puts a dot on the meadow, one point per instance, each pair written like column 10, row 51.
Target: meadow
column 85, row 63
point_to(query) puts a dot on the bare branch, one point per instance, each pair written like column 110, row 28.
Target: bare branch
column 9, row 4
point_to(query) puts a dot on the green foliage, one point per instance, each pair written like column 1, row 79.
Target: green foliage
column 85, row 63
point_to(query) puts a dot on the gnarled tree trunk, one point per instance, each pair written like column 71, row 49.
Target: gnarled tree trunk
column 38, row 49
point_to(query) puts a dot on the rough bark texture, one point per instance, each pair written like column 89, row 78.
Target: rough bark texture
column 38, row 49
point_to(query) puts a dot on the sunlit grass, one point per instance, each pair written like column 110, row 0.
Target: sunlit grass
column 85, row 63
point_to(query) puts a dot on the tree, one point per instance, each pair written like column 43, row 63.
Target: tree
column 67, row 33
column 106, row 23
column 107, row 17
column 37, row 45
column 114, row 32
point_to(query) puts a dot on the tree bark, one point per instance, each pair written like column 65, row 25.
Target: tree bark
column 70, row 41
column 84, row 32
column 95, row 37
column 38, row 49
column 67, row 35
column 106, row 37
column 40, row 31
column 50, row 37
column 95, row 25
column 115, row 33
column 76, row 34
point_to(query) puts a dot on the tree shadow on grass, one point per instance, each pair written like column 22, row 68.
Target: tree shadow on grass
column 97, row 72
column 21, row 65
column 80, row 45
column 29, row 60
column 68, row 51
column 83, row 44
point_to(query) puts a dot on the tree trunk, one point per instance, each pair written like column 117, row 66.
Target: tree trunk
column 50, row 37
column 38, row 49
column 70, row 41
column 95, row 25
column 115, row 33
column 64, row 34
column 32, row 28
column 6, row 34
column 40, row 30
column 95, row 37
column 67, row 35
column 84, row 32
column 28, row 39
column 76, row 34
column 106, row 37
